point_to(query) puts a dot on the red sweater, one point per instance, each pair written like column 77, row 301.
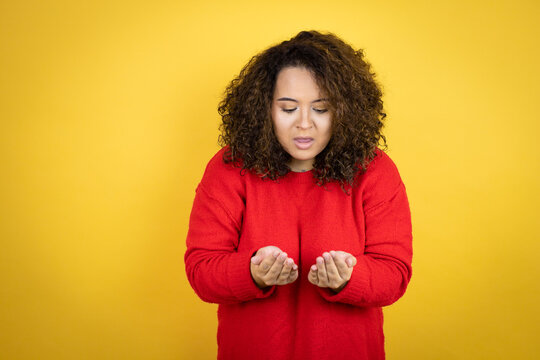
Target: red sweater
column 235, row 214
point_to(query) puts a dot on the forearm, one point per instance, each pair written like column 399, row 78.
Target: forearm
column 373, row 282
column 383, row 270
column 222, row 278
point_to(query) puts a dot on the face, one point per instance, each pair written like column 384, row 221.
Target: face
column 301, row 119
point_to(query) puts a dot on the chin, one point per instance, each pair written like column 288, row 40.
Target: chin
column 303, row 156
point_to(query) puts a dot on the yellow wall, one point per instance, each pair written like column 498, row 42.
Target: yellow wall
column 108, row 117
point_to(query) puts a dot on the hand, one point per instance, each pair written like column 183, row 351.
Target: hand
column 332, row 270
column 271, row 266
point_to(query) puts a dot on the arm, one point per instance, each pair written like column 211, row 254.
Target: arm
column 215, row 269
column 383, row 271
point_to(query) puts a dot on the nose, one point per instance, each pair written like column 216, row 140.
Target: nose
column 305, row 120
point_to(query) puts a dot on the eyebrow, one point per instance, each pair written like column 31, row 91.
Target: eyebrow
column 290, row 99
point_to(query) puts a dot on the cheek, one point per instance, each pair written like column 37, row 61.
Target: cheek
column 275, row 117
column 328, row 128
column 280, row 123
column 278, row 128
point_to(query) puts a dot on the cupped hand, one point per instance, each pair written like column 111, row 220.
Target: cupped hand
column 332, row 270
column 271, row 266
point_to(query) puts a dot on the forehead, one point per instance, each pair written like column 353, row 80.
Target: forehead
column 296, row 82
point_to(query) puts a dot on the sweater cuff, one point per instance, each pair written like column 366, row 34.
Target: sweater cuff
column 354, row 291
column 240, row 281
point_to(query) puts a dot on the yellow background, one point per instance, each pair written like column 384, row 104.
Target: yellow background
column 108, row 118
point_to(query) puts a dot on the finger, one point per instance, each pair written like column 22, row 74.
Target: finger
column 272, row 275
column 350, row 260
column 256, row 260
column 321, row 271
column 283, row 277
column 331, row 270
column 268, row 262
column 294, row 272
column 293, row 276
column 342, row 267
column 313, row 277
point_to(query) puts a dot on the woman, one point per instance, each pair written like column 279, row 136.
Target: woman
column 300, row 229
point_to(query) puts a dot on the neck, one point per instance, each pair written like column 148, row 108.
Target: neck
column 300, row 167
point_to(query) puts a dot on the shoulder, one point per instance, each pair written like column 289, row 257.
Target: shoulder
column 217, row 166
column 219, row 177
column 222, row 186
column 382, row 169
column 380, row 181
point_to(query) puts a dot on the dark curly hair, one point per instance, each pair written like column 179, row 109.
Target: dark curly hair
column 354, row 100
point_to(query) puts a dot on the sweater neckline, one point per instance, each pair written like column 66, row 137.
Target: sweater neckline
column 301, row 176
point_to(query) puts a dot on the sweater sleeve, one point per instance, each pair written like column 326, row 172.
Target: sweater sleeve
column 216, row 270
column 383, row 270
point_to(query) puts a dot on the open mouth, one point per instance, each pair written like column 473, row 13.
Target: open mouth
column 303, row 143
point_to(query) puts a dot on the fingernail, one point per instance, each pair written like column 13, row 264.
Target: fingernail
column 276, row 253
column 349, row 262
column 320, row 260
column 295, row 267
column 254, row 259
column 326, row 256
column 332, row 252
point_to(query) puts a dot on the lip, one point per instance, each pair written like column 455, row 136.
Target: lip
column 303, row 143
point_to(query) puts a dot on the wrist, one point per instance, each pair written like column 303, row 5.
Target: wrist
column 337, row 290
column 259, row 285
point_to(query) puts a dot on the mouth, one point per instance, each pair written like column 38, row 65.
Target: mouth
column 303, row 139
column 303, row 143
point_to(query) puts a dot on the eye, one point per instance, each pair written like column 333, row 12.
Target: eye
column 320, row 111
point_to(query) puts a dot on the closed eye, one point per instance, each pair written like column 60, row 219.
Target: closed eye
column 320, row 111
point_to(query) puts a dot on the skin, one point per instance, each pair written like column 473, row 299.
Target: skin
column 298, row 109
column 332, row 270
column 271, row 266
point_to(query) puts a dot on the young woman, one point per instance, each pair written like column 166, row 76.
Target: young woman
column 300, row 229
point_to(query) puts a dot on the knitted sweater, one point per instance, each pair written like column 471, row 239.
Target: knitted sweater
column 235, row 214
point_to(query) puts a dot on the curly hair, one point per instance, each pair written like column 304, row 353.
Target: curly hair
column 354, row 100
